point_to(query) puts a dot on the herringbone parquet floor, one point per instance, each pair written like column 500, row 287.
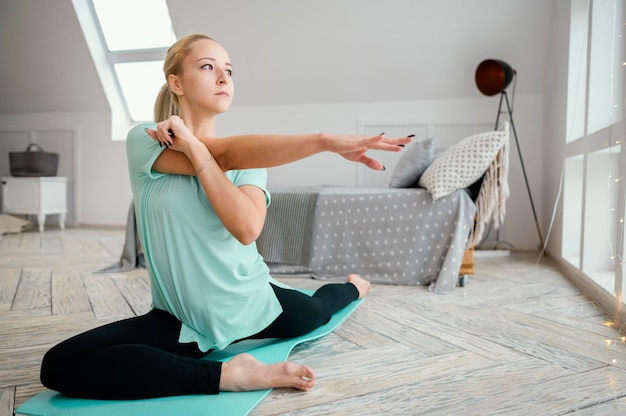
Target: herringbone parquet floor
column 518, row 339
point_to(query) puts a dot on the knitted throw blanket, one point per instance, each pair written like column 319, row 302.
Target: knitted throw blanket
column 490, row 204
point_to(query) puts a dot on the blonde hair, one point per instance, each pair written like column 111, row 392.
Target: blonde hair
column 166, row 103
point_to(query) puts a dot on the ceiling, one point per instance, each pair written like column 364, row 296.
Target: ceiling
column 293, row 52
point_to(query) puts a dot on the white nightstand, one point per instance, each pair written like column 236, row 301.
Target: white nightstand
column 39, row 196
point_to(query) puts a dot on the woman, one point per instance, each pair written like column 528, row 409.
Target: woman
column 198, row 220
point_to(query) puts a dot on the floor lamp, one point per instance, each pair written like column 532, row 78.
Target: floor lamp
column 493, row 77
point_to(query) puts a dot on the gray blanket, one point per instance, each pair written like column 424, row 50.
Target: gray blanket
column 393, row 236
column 292, row 218
column 132, row 253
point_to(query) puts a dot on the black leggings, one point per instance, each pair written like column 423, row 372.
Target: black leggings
column 141, row 357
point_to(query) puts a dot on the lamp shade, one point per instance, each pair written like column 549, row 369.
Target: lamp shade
column 493, row 76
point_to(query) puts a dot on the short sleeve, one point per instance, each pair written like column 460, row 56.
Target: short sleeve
column 255, row 177
column 142, row 151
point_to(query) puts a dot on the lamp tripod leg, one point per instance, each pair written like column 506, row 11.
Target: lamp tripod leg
column 530, row 196
column 500, row 110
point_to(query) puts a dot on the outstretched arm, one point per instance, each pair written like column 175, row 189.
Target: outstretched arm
column 262, row 151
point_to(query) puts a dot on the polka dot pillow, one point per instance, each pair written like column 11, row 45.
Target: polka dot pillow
column 463, row 163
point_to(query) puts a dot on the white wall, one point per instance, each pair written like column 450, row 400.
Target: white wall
column 555, row 125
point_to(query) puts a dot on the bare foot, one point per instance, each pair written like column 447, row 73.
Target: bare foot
column 246, row 373
column 362, row 285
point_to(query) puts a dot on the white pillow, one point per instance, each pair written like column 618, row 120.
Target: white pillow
column 463, row 163
column 413, row 162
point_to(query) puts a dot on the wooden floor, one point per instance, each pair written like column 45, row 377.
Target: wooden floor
column 518, row 339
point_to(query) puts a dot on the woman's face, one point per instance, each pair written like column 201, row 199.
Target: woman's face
column 206, row 82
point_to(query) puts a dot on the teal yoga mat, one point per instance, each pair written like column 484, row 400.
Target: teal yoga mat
column 51, row 403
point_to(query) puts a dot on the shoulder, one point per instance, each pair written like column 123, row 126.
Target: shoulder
column 138, row 132
column 141, row 150
column 137, row 137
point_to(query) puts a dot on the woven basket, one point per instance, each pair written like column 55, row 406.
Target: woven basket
column 33, row 162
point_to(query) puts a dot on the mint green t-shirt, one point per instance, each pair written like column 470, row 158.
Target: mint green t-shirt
column 217, row 287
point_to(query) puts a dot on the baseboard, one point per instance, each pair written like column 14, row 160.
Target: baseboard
column 605, row 301
column 491, row 253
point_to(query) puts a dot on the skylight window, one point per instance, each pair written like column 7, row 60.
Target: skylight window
column 140, row 83
column 128, row 40
column 135, row 24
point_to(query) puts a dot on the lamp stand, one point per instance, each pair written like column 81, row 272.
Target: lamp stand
column 504, row 98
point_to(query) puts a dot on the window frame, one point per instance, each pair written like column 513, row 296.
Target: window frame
column 583, row 148
column 105, row 61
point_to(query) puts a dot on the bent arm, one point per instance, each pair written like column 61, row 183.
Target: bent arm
column 241, row 209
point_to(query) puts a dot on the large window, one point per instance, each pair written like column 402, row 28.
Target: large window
column 593, row 203
column 128, row 40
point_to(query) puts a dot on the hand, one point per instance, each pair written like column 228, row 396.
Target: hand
column 174, row 134
column 354, row 148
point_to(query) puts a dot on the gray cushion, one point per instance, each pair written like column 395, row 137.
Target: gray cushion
column 413, row 162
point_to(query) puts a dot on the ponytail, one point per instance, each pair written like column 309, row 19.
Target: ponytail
column 166, row 104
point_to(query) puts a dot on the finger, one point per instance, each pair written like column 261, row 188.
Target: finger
column 382, row 139
column 398, row 141
column 163, row 134
column 153, row 134
column 393, row 145
column 387, row 147
column 372, row 163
